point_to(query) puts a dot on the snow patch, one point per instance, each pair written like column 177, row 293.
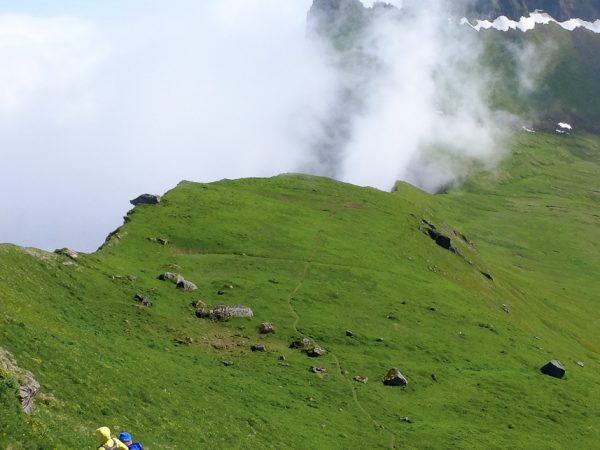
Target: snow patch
column 565, row 126
column 535, row 18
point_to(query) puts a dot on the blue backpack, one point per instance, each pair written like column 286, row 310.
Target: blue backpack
column 136, row 446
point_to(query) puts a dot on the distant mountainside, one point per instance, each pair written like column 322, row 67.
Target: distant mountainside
column 567, row 86
column 514, row 9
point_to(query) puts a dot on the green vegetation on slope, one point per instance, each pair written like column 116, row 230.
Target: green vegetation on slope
column 317, row 257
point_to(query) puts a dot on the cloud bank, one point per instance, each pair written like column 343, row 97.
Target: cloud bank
column 96, row 110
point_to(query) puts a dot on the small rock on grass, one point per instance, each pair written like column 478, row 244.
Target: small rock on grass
column 316, row 351
column 361, row 379
column 266, row 328
column 318, row 370
column 554, row 368
column 395, row 378
column 304, row 343
column 258, row 348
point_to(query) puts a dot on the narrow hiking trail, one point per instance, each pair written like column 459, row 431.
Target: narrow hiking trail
column 290, row 298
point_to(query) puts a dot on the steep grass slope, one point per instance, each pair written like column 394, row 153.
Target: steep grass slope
column 316, row 258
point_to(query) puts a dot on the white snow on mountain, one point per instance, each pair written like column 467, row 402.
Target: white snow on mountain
column 535, row 18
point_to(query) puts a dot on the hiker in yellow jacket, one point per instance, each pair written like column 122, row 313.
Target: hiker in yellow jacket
column 106, row 442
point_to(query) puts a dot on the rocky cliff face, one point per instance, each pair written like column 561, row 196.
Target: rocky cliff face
column 559, row 9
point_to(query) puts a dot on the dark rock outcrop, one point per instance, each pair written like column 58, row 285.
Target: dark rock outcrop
column 395, row 378
column 554, row 368
column 145, row 199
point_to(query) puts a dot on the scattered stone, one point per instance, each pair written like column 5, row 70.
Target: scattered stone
column 505, row 308
column 132, row 278
column 185, row 341
column 349, row 333
column 282, row 358
column 266, row 328
column 28, row 385
column 228, row 363
column 143, row 299
column 316, row 351
column 345, row 372
column 162, row 241
column 406, row 419
column 433, row 377
column 220, row 315
column 233, row 310
column 395, row 378
column 220, row 292
column 488, row 326
column 199, row 304
column 318, row 370
column 433, row 308
column 67, row 252
column 69, row 263
column 361, row 379
column 171, row 276
column 258, row 348
column 186, row 285
column 554, row 368
column 145, row 199
column 580, row 363
column 379, row 339
column 303, row 343
column 203, row 312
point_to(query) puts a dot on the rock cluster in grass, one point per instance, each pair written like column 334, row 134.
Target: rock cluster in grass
column 28, row 386
column 179, row 281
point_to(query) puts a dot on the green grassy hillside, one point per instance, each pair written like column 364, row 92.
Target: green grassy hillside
column 316, row 258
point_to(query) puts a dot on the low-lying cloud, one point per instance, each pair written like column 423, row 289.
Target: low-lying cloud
column 95, row 110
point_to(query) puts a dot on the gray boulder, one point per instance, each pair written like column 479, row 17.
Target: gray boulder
column 145, row 199
column 28, row 385
column 186, row 285
column 395, row 378
column 554, row 368
column 233, row 310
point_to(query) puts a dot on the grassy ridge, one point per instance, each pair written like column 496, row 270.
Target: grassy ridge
column 317, row 257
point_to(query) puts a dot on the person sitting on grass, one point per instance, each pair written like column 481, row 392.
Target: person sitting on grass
column 106, row 442
column 127, row 440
